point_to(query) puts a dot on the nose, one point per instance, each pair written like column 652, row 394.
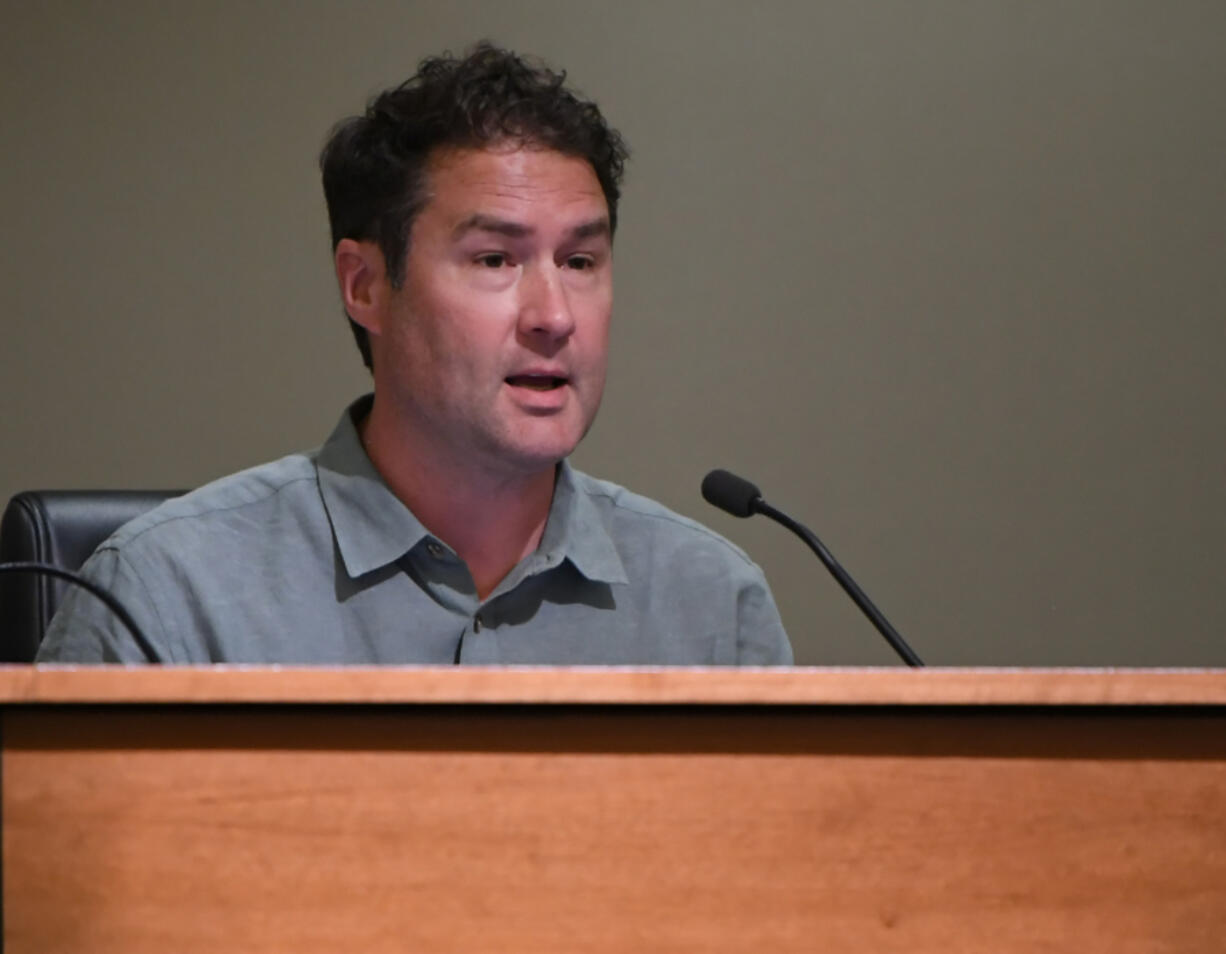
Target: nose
column 544, row 307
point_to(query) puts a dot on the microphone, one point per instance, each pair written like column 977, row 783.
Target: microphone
column 50, row 569
column 737, row 496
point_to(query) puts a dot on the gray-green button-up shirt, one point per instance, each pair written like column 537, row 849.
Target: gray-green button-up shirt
column 311, row 559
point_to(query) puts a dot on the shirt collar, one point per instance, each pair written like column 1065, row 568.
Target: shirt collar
column 374, row 528
column 576, row 530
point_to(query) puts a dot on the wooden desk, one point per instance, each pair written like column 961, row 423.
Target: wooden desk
column 191, row 810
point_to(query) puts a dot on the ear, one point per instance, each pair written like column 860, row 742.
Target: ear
column 362, row 277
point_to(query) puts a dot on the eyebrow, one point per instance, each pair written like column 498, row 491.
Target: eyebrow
column 480, row 222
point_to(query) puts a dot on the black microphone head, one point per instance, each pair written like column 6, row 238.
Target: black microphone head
column 732, row 494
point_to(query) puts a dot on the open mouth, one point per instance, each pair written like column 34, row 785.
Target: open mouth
column 536, row 382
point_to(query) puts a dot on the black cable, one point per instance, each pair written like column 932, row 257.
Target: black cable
column 858, row 596
column 49, row 569
column 739, row 497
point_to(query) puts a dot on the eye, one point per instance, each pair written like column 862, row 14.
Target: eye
column 580, row 263
column 493, row 260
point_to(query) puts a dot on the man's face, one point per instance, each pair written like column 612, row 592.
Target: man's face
column 494, row 348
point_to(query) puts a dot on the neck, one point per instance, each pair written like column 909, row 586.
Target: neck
column 491, row 520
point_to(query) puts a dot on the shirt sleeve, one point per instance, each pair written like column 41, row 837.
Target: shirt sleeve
column 761, row 639
column 86, row 630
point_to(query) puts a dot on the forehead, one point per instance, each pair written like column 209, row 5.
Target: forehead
column 511, row 179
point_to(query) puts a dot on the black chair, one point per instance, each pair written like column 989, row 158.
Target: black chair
column 60, row 527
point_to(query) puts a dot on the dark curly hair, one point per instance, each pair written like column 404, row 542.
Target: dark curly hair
column 374, row 165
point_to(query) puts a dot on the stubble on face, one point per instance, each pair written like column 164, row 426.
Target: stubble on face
column 494, row 350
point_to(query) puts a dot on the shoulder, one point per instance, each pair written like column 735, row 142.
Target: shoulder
column 234, row 500
column 629, row 514
column 687, row 579
column 174, row 565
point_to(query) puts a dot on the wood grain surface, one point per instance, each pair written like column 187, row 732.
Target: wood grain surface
column 893, row 686
column 603, row 828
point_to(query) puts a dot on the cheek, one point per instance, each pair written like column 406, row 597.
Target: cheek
column 598, row 333
column 436, row 329
column 593, row 309
column 596, row 357
column 471, row 320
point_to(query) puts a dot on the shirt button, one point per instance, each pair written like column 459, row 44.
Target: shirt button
column 435, row 549
column 477, row 623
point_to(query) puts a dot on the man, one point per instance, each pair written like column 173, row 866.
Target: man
column 473, row 211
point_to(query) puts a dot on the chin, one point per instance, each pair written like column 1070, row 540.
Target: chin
column 542, row 447
column 536, row 457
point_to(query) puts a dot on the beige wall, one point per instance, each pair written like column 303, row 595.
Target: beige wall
column 948, row 280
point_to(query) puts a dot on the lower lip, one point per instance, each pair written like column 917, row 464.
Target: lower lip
column 552, row 399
